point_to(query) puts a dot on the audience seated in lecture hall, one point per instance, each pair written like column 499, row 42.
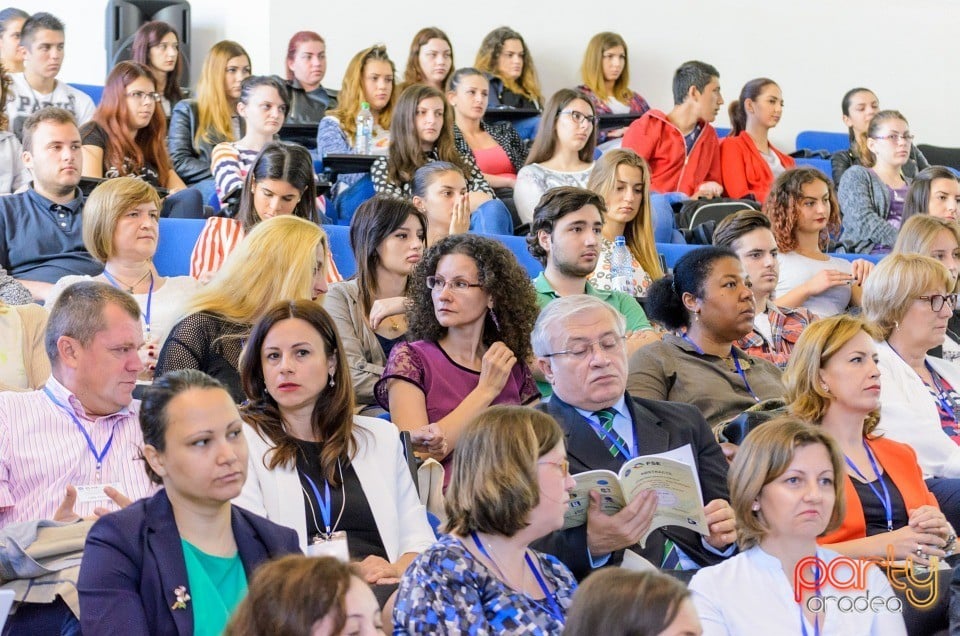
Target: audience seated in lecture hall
column 681, row 146
column 622, row 178
column 156, row 45
column 708, row 304
column 304, row 436
column 306, row 66
column 605, row 72
column 562, row 152
column 40, row 229
column 833, row 381
column 579, row 346
column 388, row 237
column 198, row 124
column 803, row 210
column 430, row 60
column 262, row 106
column 872, row 195
column 749, row 163
column 504, row 56
column 283, row 258
column 42, row 44
column 179, row 561
column 460, row 356
column 859, row 105
column 775, row 328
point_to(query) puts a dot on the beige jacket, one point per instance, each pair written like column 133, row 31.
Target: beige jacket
column 360, row 345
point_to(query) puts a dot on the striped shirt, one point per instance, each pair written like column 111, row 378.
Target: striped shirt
column 230, row 165
column 42, row 452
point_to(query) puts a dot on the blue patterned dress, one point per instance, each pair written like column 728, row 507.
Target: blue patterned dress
column 448, row 591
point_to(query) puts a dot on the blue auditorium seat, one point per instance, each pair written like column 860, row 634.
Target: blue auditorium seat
column 177, row 238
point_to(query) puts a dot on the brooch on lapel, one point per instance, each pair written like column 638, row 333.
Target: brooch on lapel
column 182, row 597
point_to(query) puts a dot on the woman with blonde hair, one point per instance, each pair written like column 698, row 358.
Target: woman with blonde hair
column 121, row 230
column 622, row 178
column 504, row 56
column 606, row 80
column 786, row 492
column 283, row 258
column 510, row 486
column 197, row 125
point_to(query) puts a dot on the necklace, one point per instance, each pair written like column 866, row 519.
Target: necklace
column 127, row 287
column 394, row 325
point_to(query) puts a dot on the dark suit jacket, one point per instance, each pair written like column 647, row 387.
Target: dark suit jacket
column 133, row 561
column 659, row 427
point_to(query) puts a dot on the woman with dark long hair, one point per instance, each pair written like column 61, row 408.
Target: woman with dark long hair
column 157, row 46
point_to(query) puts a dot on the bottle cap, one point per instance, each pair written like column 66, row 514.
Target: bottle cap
column 364, row 105
column 620, row 240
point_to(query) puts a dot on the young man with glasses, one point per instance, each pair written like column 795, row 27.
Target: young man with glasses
column 42, row 40
column 579, row 345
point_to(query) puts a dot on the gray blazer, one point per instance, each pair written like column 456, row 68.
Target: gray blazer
column 360, row 345
column 865, row 205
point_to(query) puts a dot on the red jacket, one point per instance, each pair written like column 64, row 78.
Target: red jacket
column 745, row 171
column 900, row 463
column 657, row 140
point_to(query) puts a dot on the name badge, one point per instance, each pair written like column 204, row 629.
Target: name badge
column 93, row 493
column 332, row 545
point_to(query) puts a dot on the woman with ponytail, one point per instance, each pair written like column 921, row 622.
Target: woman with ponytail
column 748, row 160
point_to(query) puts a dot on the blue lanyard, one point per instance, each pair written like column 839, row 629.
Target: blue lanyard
column 945, row 403
column 616, row 440
column 552, row 607
column 99, row 456
column 322, row 502
column 885, row 499
column 736, row 364
column 146, row 314
column 816, row 619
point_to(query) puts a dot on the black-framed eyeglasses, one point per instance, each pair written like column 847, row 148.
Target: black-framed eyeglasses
column 896, row 137
column 937, row 300
column 437, row 283
column 141, row 96
column 578, row 117
column 608, row 344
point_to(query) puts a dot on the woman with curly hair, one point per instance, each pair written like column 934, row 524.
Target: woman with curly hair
column 504, row 57
column 472, row 308
column 802, row 206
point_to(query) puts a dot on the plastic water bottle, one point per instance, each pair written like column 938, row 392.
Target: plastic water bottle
column 621, row 267
column 364, row 143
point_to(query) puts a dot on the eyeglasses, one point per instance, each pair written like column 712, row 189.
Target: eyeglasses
column 895, row 138
column 437, row 283
column 562, row 464
column 578, row 117
column 608, row 344
column 140, row 96
column 937, row 300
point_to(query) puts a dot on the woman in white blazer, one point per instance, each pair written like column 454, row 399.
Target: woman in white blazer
column 910, row 299
column 314, row 466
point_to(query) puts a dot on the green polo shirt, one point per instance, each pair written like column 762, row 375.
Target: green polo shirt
column 624, row 303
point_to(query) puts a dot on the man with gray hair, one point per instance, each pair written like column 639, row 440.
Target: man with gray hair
column 579, row 345
column 68, row 448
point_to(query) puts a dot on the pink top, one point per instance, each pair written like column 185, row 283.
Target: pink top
column 494, row 160
column 42, row 452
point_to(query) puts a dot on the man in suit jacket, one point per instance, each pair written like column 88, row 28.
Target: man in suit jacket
column 579, row 344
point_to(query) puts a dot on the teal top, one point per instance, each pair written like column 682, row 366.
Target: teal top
column 624, row 303
column 216, row 586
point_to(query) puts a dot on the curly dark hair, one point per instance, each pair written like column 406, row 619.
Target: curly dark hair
column 507, row 282
column 783, row 204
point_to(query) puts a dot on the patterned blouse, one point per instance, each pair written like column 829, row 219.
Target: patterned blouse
column 383, row 185
column 602, row 279
column 446, row 590
column 506, row 137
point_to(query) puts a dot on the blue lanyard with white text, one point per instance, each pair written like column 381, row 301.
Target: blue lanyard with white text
column 322, row 502
column 146, row 314
column 613, row 439
column 98, row 455
column 885, row 500
column 736, row 364
column 552, row 607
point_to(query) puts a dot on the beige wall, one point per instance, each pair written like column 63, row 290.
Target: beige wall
column 815, row 49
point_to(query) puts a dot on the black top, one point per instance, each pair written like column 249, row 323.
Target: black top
column 93, row 135
column 873, row 510
column 207, row 342
column 387, row 343
column 357, row 520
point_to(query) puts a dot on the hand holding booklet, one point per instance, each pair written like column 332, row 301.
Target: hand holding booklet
column 671, row 475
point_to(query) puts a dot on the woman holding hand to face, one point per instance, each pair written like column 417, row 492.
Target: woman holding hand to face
column 440, row 193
